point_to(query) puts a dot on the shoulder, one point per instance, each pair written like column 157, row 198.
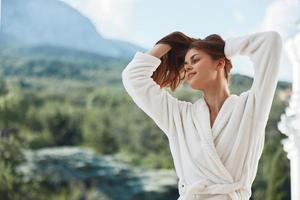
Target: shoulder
column 176, row 101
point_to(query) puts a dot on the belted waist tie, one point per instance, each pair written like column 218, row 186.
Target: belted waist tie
column 191, row 191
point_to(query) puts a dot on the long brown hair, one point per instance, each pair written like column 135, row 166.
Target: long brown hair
column 170, row 72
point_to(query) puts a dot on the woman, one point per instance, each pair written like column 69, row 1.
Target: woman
column 216, row 142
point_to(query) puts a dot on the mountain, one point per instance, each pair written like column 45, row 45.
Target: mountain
column 55, row 23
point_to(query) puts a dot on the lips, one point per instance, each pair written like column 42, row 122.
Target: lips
column 190, row 75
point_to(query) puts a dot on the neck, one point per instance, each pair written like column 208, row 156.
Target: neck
column 216, row 95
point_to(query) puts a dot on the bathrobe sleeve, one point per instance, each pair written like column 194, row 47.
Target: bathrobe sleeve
column 157, row 103
column 264, row 50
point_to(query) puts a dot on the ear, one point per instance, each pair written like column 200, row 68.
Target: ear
column 220, row 64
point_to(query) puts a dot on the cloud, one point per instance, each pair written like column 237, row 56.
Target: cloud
column 109, row 16
column 282, row 15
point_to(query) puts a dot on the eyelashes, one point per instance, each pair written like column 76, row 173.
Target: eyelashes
column 194, row 61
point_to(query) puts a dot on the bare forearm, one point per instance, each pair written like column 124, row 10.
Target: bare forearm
column 159, row 50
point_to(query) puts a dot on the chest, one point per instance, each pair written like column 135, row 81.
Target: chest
column 212, row 117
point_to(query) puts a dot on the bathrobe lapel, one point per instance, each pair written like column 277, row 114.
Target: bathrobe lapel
column 223, row 116
column 202, row 117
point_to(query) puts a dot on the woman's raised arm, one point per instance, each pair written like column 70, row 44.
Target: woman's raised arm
column 264, row 50
column 159, row 50
column 157, row 103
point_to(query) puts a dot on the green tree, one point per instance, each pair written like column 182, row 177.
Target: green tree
column 3, row 87
column 65, row 128
column 278, row 177
column 97, row 131
column 12, row 184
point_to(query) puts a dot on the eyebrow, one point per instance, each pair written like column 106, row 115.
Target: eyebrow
column 190, row 58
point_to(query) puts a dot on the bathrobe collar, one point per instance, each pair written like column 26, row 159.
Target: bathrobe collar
column 202, row 117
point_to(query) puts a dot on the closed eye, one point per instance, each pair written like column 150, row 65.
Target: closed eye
column 194, row 61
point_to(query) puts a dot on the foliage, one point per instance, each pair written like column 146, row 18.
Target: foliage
column 55, row 102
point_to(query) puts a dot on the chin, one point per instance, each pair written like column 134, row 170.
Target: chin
column 195, row 85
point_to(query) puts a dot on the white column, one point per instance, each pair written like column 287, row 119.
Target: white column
column 290, row 120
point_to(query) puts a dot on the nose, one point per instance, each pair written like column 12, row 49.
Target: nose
column 187, row 67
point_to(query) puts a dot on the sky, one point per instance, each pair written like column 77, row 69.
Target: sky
column 144, row 22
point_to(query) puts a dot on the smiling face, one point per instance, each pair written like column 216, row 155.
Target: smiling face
column 201, row 70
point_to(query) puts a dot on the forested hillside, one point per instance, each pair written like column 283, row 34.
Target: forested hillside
column 51, row 97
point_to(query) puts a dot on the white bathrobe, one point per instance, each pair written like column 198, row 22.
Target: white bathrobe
column 219, row 162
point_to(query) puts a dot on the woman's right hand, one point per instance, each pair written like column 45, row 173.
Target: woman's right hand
column 159, row 50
